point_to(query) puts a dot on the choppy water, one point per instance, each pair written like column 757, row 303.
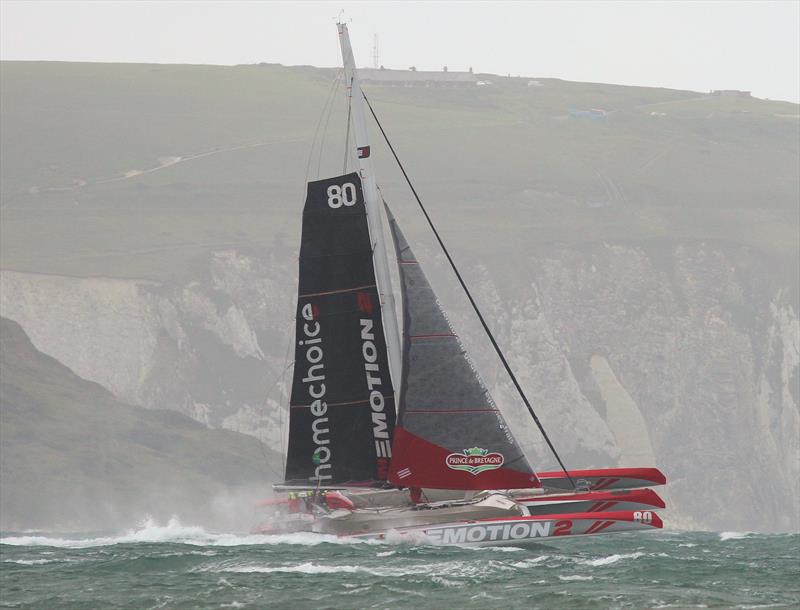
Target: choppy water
column 175, row 566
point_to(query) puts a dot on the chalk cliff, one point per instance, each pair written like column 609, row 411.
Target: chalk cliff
column 681, row 355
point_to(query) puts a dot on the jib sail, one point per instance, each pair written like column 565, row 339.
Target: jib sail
column 449, row 434
column 342, row 410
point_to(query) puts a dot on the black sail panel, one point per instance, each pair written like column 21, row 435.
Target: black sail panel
column 342, row 411
column 449, row 432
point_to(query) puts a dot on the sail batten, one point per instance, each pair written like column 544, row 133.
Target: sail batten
column 449, row 434
column 342, row 406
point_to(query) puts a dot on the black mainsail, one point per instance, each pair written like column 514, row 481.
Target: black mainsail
column 450, row 434
column 342, row 411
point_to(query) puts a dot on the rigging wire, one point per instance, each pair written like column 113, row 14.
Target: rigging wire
column 278, row 380
column 347, row 135
column 327, row 122
column 497, row 349
column 328, row 98
column 287, row 364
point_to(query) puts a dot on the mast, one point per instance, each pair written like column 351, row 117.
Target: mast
column 374, row 213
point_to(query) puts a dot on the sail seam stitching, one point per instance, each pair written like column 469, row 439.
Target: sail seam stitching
column 451, row 411
column 340, row 404
column 319, row 294
column 432, row 336
column 353, row 253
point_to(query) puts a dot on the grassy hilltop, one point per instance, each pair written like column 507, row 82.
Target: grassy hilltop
column 228, row 148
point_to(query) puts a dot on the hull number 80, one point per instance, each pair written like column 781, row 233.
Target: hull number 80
column 344, row 195
column 644, row 516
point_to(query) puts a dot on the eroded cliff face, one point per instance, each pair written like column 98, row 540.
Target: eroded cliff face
column 213, row 348
column 695, row 347
column 682, row 356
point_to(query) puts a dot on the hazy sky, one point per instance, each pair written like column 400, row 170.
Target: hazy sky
column 691, row 45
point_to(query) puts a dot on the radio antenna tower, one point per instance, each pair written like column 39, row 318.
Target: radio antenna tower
column 376, row 60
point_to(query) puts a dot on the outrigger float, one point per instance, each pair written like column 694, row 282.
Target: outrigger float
column 393, row 435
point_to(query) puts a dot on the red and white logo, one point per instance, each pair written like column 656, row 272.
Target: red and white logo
column 475, row 460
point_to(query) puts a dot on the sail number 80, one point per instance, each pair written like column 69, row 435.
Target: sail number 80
column 644, row 516
column 342, row 195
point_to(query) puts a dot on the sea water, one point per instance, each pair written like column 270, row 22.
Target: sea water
column 174, row 565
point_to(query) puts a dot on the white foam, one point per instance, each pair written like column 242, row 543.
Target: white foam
column 734, row 535
column 501, row 549
column 575, row 577
column 174, row 531
column 357, row 590
column 317, row 568
column 527, row 563
column 446, row 582
column 484, row 595
column 604, row 561
column 31, row 562
column 303, row 568
column 444, row 569
column 413, row 538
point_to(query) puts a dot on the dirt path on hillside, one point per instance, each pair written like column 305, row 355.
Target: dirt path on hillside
column 163, row 163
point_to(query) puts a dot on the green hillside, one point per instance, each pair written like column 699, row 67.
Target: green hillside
column 508, row 156
column 71, row 455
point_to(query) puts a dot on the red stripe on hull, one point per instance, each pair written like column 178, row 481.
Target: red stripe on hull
column 602, row 527
column 603, row 483
column 598, row 526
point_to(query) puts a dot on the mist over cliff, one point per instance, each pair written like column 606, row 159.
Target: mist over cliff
column 640, row 271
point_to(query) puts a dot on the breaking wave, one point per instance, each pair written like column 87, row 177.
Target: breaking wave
column 303, row 568
column 734, row 535
column 175, row 532
column 442, row 569
column 604, row 561
column 529, row 563
column 209, row 569
column 32, row 562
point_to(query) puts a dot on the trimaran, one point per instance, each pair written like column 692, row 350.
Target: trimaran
column 393, row 434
